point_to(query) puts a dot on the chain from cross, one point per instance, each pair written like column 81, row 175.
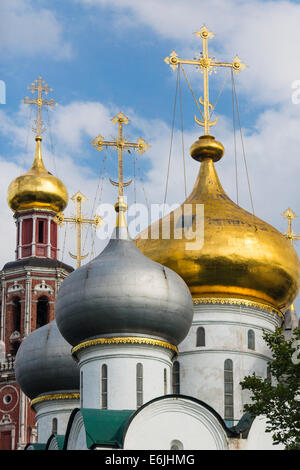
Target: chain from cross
column 78, row 220
column 121, row 144
column 206, row 64
column 41, row 87
column 290, row 215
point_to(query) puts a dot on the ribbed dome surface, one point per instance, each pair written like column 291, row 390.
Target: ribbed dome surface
column 44, row 363
column 121, row 293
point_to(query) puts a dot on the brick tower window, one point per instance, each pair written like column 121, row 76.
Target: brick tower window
column 41, row 231
column 42, row 311
column 16, row 315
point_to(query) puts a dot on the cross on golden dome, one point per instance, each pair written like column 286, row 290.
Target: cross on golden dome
column 39, row 86
column 290, row 215
column 206, row 64
column 121, row 144
column 78, row 220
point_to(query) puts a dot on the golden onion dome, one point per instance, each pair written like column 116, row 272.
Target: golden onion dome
column 37, row 188
column 241, row 255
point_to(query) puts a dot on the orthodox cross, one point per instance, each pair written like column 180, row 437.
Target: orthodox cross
column 41, row 87
column 206, row 64
column 78, row 220
column 290, row 215
column 121, row 144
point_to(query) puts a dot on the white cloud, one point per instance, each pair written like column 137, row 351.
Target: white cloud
column 26, row 28
column 272, row 157
column 83, row 119
column 265, row 34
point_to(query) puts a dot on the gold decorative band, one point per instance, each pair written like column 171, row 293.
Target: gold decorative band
column 125, row 340
column 56, row 396
column 236, row 301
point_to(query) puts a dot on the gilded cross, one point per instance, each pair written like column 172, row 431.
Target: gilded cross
column 290, row 215
column 39, row 86
column 121, row 144
column 78, row 220
column 206, row 64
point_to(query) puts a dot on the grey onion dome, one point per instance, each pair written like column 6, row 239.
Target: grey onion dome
column 121, row 292
column 44, row 363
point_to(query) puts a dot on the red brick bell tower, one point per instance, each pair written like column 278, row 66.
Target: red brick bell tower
column 30, row 283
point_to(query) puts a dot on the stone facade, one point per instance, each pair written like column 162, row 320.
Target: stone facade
column 29, row 286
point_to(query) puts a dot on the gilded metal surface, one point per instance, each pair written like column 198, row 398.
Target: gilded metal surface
column 40, row 87
column 242, row 255
column 206, row 64
column 37, row 188
column 232, row 301
column 121, row 144
column 290, row 215
column 56, row 396
column 78, row 220
column 207, row 147
column 125, row 340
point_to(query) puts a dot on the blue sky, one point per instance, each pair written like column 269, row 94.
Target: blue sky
column 102, row 57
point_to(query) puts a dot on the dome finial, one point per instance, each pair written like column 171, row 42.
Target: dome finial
column 38, row 163
column 38, row 189
column 40, row 86
column 79, row 220
column 290, row 215
column 207, row 65
column 121, row 144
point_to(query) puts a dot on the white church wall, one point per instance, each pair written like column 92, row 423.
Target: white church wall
column 226, row 337
column 49, row 410
column 259, row 439
column 121, row 361
column 175, row 421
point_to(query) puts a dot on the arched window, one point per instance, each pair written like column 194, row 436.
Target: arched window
column 176, row 377
column 104, row 387
column 41, row 231
column 139, row 384
column 251, row 339
column 54, row 426
column 200, row 336
column 16, row 314
column 165, row 382
column 42, row 311
column 228, row 389
column 176, row 445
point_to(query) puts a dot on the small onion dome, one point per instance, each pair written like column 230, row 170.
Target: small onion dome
column 37, row 188
column 44, row 363
column 241, row 255
column 123, row 293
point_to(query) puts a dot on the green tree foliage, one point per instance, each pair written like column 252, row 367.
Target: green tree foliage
column 278, row 398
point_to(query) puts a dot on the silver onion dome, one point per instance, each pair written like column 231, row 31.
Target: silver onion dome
column 121, row 292
column 44, row 363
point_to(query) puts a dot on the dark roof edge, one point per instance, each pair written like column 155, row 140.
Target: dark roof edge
column 37, row 262
column 55, row 437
